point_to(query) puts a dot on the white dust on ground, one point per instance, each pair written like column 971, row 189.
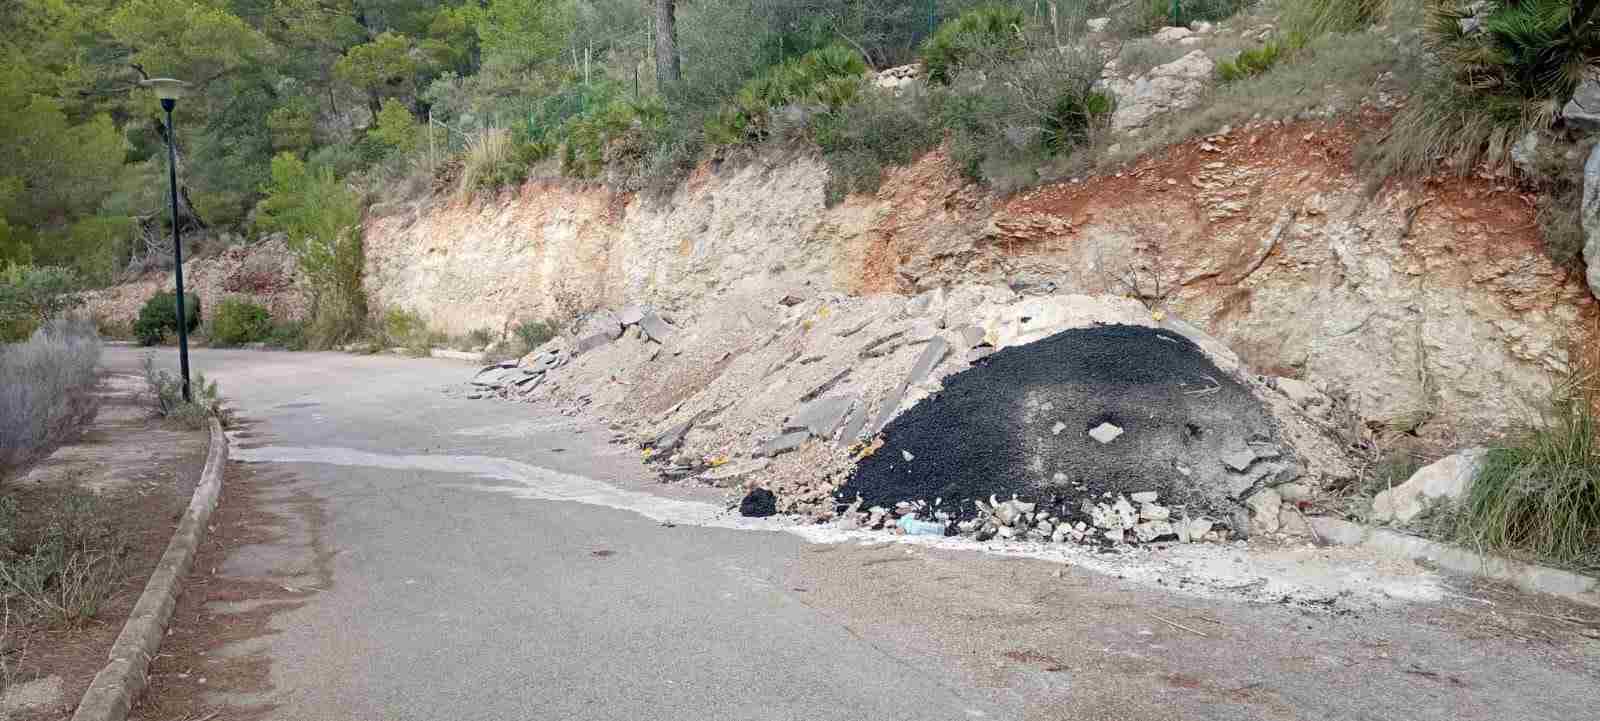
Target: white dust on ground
column 1303, row 575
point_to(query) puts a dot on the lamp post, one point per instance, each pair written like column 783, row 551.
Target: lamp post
column 169, row 90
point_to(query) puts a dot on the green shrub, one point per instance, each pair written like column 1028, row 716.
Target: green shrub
column 534, row 333
column 32, row 295
column 407, row 329
column 238, row 321
column 861, row 139
column 159, row 316
column 1147, row 16
column 1023, row 114
column 1539, row 498
column 1503, row 71
column 828, row 78
column 289, row 335
column 165, row 390
column 992, row 31
column 322, row 217
column 1247, row 63
column 1306, row 19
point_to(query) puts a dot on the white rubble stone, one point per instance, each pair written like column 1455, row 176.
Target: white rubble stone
column 1445, row 479
column 1105, row 433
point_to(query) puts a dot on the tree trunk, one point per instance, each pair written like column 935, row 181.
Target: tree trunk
column 667, row 72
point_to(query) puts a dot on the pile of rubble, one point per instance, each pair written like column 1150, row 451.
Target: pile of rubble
column 1083, row 416
column 520, row 378
column 1111, row 519
column 788, row 392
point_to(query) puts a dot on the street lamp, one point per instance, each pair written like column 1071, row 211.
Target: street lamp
column 169, row 90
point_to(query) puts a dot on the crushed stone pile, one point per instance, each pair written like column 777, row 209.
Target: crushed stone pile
column 1084, row 418
column 788, row 389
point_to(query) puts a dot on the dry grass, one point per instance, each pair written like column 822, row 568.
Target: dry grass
column 70, row 561
column 485, row 153
column 44, row 387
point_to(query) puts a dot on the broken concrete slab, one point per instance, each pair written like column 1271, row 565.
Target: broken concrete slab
column 671, row 439
column 821, row 417
column 882, row 344
column 631, row 315
column 654, row 327
column 931, row 357
column 886, row 409
column 782, row 444
column 1238, row 456
column 854, row 426
column 602, row 323
column 971, row 336
column 593, row 341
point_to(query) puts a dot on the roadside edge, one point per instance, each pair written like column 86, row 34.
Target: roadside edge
column 111, row 695
column 1526, row 576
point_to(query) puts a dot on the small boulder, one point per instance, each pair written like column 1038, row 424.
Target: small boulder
column 1445, row 479
column 1264, row 505
column 1582, row 112
column 1171, row 34
column 759, row 503
column 1589, row 215
column 630, row 315
column 655, row 328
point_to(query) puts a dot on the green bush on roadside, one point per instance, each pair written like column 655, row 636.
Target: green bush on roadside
column 165, row 390
column 534, row 333
column 238, row 321
column 159, row 316
column 289, row 335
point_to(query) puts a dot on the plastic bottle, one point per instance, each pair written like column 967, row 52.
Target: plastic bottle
column 914, row 527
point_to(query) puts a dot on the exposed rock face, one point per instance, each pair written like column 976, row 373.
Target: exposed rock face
column 1429, row 304
column 1166, row 88
column 1591, row 220
column 263, row 272
column 1583, row 110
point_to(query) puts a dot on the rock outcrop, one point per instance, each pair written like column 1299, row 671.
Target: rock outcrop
column 1168, row 88
column 1427, row 307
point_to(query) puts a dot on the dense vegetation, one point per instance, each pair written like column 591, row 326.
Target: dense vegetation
column 304, row 111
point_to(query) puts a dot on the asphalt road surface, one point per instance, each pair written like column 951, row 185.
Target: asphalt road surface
column 459, row 559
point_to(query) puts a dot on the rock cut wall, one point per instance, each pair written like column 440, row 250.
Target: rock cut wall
column 1429, row 303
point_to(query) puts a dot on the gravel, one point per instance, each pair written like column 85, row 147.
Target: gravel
column 989, row 433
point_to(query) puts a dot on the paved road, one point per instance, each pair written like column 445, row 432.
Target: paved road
column 457, row 565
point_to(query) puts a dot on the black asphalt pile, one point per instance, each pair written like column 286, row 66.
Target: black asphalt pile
column 1087, row 415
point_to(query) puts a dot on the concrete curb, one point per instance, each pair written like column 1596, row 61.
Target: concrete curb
column 115, row 688
column 1526, row 576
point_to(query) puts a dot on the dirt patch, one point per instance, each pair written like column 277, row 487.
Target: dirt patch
column 156, row 468
column 206, row 662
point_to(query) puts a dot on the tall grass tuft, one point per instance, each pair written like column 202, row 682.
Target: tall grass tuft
column 44, row 384
column 486, row 152
column 1539, row 498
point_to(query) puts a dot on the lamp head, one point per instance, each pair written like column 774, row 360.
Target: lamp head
column 167, row 89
